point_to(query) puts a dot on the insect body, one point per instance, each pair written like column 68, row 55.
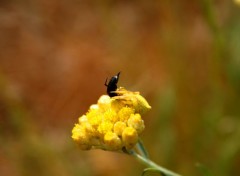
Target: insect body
column 112, row 85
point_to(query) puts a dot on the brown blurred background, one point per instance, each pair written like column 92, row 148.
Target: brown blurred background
column 183, row 56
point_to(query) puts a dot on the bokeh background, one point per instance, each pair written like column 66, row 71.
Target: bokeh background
column 183, row 56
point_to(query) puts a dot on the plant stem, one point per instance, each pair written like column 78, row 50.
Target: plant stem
column 151, row 164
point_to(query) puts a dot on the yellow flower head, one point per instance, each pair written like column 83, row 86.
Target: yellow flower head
column 114, row 123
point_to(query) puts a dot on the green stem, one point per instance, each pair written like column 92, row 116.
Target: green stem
column 151, row 164
column 141, row 149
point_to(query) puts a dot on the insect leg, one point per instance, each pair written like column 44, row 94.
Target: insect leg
column 106, row 82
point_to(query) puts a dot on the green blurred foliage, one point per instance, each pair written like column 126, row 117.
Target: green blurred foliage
column 183, row 56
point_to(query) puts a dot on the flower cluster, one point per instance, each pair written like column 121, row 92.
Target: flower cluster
column 114, row 123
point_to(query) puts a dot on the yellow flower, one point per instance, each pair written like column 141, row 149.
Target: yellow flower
column 114, row 123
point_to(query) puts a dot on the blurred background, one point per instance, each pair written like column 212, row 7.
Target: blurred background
column 183, row 56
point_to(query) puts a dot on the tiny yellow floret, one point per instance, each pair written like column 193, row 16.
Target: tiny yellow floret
column 82, row 119
column 94, row 117
column 110, row 115
column 79, row 134
column 104, row 102
column 136, row 122
column 119, row 127
column 105, row 127
column 94, row 107
column 112, row 141
column 130, row 137
column 125, row 113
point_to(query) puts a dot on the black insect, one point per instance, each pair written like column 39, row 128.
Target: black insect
column 112, row 85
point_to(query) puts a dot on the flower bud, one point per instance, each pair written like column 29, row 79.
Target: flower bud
column 112, row 141
column 119, row 127
column 130, row 137
column 136, row 122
